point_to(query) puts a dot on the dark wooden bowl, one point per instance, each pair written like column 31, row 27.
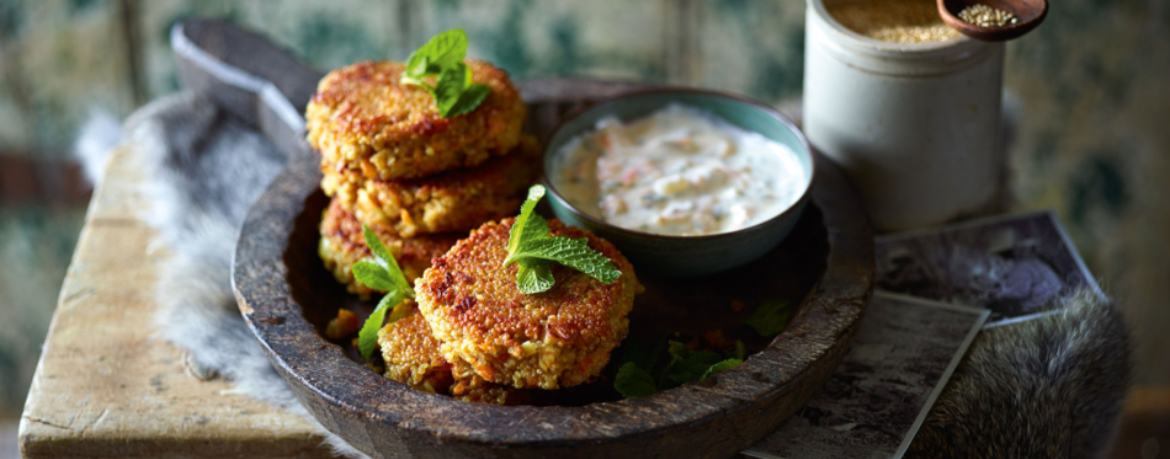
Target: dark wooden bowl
column 286, row 297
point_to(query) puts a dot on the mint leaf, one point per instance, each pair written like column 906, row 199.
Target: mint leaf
column 383, row 274
column 455, row 94
column 677, row 349
column 691, row 367
column 416, row 66
column 368, row 336
column 446, row 49
column 686, row 365
column 534, row 276
column 740, row 350
column 529, row 241
column 376, row 246
column 449, row 86
column 442, row 57
column 386, row 261
column 442, row 51
column 632, row 381
column 373, row 276
column 724, row 365
column 639, row 359
column 644, row 354
column 471, row 97
column 770, row 318
column 527, row 226
column 574, row 253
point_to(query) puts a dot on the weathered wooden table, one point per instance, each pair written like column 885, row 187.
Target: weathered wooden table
column 106, row 387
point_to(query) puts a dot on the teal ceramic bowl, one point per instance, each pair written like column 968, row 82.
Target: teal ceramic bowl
column 683, row 256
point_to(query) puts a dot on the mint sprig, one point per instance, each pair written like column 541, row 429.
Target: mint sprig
column 723, row 365
column 531, row 247
column 633, row 381
column 643, row 375
column 442, row 57
column 381, row 274
column 770, row 318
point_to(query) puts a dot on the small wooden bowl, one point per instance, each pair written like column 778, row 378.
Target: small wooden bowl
column 1029, row 12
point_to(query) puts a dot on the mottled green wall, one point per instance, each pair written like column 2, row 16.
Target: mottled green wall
column 1094, row 82
column 35, row 246
column 1095, row 145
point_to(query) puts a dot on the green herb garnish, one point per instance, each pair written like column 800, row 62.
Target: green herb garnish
column 381, row 274
column 635, row 378
column 723, row 365
column 632, row 381
column 770, row 318
column 531, row 247
column 643, row 372
column 442, row 57
column 740, row 351
column 688, row 366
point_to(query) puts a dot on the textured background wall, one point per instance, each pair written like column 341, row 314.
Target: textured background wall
column 1094, row 141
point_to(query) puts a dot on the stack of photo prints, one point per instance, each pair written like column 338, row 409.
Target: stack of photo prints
column 935, row 290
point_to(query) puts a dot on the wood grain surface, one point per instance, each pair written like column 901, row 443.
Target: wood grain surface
column 110, row 316
column 106, row 387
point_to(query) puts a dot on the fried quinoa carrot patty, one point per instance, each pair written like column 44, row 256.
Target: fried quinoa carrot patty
column 342, row 245
column 364, row 118
column 456, row 200
column 411, row 354
column 558, row 338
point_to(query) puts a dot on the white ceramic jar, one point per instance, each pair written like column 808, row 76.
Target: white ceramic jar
column 915, row 126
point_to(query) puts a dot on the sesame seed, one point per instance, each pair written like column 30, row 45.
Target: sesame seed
column 986, row 16
column 895, row 21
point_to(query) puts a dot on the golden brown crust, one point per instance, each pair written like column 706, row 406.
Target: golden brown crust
column 363, row 118
column 411, row 355
column 557, row 338
column 456, row 200
column 342, row 245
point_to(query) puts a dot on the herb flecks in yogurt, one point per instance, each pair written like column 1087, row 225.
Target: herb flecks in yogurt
column 681, row 172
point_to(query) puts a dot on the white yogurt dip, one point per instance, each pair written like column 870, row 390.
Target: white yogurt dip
column 680, row 172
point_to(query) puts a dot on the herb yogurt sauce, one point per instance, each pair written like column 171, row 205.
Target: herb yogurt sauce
column 679, row 172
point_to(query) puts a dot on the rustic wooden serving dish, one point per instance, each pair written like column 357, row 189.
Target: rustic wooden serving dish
column 286, row 297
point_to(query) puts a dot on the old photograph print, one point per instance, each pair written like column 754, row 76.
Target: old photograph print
column 902, row 356
column 1014, row 265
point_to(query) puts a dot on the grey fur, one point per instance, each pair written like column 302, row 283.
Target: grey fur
column 101, row 132
column 1047, row 387
column 203, row 169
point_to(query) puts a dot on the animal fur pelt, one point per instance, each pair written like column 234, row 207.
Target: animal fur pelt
column 1050, row 387
column 203, row 169
column 1047, row 387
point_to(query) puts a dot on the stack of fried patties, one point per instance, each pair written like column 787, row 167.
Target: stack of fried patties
column 420, row 182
